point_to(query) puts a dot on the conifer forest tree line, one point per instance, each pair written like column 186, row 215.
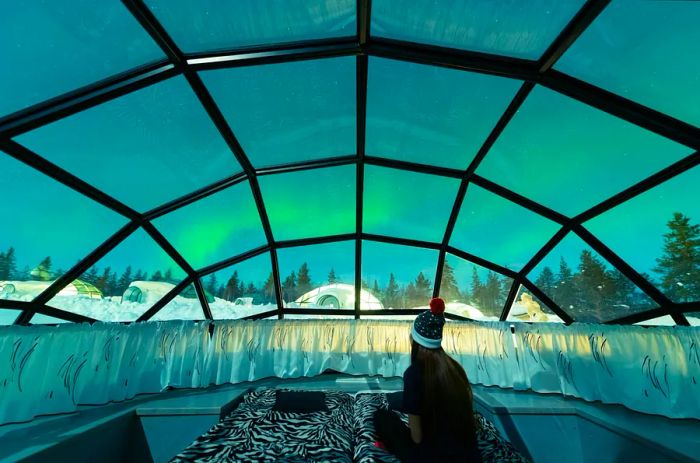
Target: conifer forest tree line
column 588, row 290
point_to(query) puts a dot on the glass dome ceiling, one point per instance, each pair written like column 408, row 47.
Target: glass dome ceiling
column 533, row 161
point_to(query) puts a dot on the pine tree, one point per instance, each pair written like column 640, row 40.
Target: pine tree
column 42, row 272
column 91, row 276
column 231, row 291
column 4, row 273
column 392, row 294
column 448, row 284
column 157, row 276
column 220, row 292
column 268, row 290
column 212, row 285
column 376, row 292
column 331, row 277
column 304, row 283
column 679, row 265
column 168, row 277
column 624, row 294
column 124, row 280
column 8, row 264
column 423, row 290
column 491, row 294
column 564, row 291
column 102, row 282
column 546, row 281
column 595, row 289
column 477, row 288
column 250, row 290
column 111, row 288
column 289, row 288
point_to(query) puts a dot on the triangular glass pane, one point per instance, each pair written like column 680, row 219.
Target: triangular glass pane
column 528, row 308
column 318, row 276
column 407, row 204
column 144, row 148
column 52, row 49
column 215, row 228
column 518, row 29
column 693, row 318
column 310, row 203
column 289, row 112
column 41, row 319
column 472, row 291
column 666, row 226
column 215, row 25
column 665, row 320
column 8, row 316
column 396, row 276
column 644, row 51
column 429, row 114
column 243, row 289
column 131, row 278
column 47, row 229
column 185, row 306
column 570, row 156
column 586, row 286
column 498, row 230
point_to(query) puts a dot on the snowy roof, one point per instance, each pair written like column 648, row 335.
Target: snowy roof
column 535, row 162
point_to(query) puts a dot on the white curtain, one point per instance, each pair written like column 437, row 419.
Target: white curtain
column 53, row 369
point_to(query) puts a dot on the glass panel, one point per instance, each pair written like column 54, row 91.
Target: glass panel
column 47, row 228
column 528, row 308
column 215, row 228
column 310, row 203
column 666, row 244
column 307, row 114
column 41, row 319
column 144, row 148
column 52, row 49
column 208, row 25
column 124, row 284
column 693, row 318
column 8, row 316
column 396, row 276
column 244, row 289
column 645, row 51
column 431, row 115
column 407, row 204
column 585, row 286
column 498, row 230
column 321, row 275
column 523, row 29
column 570, row 156
column 185, row 306
column 473, row 291
column 665, row 320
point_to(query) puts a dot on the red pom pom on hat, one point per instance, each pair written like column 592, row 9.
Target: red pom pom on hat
column 437, row 306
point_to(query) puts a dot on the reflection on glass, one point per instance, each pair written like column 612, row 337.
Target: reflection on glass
column 523, row 29
column 244, row 289
column 209, row 25
column 396, row 276
column 124, row 284
column 585, row 286
column 528, row 308
column 318, row 276
column 472, row 291
column 693, row 318
column 666, row 244
column 41, row 319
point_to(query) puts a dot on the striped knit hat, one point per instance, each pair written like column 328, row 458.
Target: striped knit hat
column 427, row 327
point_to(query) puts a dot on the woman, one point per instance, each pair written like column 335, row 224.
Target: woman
column 437, row 398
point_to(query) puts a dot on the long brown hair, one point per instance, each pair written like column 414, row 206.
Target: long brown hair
column 447, row 406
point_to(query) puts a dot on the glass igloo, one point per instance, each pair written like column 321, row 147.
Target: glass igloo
column 535, row 164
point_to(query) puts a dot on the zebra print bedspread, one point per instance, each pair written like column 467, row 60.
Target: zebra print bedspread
column 256, row 433
column 345, row 433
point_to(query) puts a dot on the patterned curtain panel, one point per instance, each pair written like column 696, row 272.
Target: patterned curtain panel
column 54, row 369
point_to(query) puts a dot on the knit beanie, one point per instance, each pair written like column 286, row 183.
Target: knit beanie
column 427, row 327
